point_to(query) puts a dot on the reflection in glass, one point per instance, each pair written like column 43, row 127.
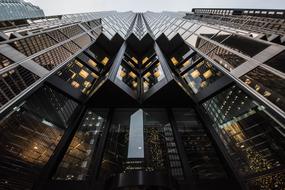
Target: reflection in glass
column 128, row 76
column 52, row 58
column 29, row 134
column 116, row 149
column 201, row 155
column 201, row 76
column 207, row 32
column 160, row 148
column 251, row 137
column 226, row 58
column 160, row 152
column 78, row 157
column 269, row 85
column 83, row 40
column 31, row 45
column 71, row 31
column 246, row 46
column 13, row 82
column 152, row 77
column 4, row 61
column 79, row 76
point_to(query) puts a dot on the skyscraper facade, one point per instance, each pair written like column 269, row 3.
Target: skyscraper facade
column 124, row 100
column 18, row 9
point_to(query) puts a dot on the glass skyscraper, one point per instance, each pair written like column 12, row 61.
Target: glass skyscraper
column 130, row 101
column 18, row 9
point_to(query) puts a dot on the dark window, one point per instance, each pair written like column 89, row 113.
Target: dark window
column 201, row 155
column 277, row 62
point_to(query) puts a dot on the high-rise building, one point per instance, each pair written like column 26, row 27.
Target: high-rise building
column 18, row 9
column 123, row 100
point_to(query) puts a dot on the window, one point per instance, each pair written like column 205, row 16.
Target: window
column 269, row 85
column 247, row 131
column 77, row 162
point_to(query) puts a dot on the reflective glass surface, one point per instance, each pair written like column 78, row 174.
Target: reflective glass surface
column 252, row 137
column 152, row 77
column 201, row 76
column 201, row 154
column 269, row 85
column 29, row 134
column 78, row 76
column 79, row 155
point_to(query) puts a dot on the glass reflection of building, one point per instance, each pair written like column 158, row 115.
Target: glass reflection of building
column 124, row 100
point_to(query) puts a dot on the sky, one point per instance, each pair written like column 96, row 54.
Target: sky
column 56, row 7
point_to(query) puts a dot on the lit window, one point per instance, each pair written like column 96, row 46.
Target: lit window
column 92, row 63
column 174, row 61
column 145, row 84
column 135, row 84
column 186, row 63
column 105, row 60
column 135, row 60
column 133, row 75
column 122, row 74
column 75, row 84
column 144, row 60
column 87, row 84
column 204, row 84
column 94, row 75
column 147, row 74
column 78, row 63
column 157, row 74
column 257, row 87
column 84, row 74
column 195, row 74
column 208, row 74
column 267, row 93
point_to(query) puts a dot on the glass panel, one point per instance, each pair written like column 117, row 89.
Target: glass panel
column 78, row 157
column 57, row 35
column 186, row 25
column 277, row 62
column 274, row 181
column 189, row 62
column 206, row 31
column 128, row 76
column 193, row 40
column 221, row 36
column 52, row 58
column 201, row 76
column 226, row 58
column 248, row 132
column 71, row 31
column 29, row 135
column 83, row 40
column 271, row 86
column 14, row 82
column 246, row 46
column 160, row 152
column 116, row 149
column 78, row 76
column 4, row 61
column 202, row 157
column 71, row 46
column 160, row 148
column 34, row 44
column 152, row 77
